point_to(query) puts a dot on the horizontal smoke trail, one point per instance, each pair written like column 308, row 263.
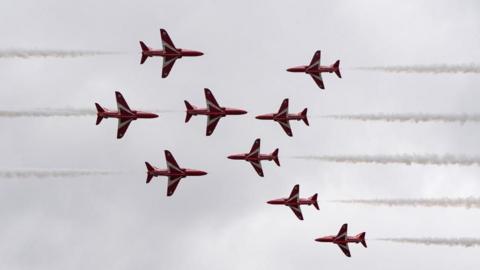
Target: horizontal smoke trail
column 51, row 173
column 59, row 113
column 16, row 53
column 463, row 242
column 416, row 118
column 468, row 203
column 400, row 159
column 434, row 69
column 48, row 113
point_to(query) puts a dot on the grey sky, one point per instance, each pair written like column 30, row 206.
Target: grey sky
column 221, row 220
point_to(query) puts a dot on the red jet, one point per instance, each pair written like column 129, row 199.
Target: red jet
column 214, row 112
column 124, row 114
column 294, row 201
column 315, row 69
column 169, row 53
column 342, row 239
column 173, row 171
column 283, row 118
column 254, row 157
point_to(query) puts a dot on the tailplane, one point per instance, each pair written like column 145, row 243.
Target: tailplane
column 99, row 111
column 144, row 49
column 304, row 116
column 336, row 66
column 150, row 169
column 314, row 201
column 275, row 157
column 361, row 237
column 189, row 108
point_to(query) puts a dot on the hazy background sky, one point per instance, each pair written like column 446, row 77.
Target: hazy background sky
column 221, row 221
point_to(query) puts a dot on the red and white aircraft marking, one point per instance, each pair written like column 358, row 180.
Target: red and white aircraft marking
column 124, row 114
column 214, row 112
column 315, row 69
column 169, row 53
column 283, row 117
column 255, row 158
column 342, row 239
column 174, row 172
column 294, row 201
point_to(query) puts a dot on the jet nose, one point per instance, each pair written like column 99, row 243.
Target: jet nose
column 290, row 69
column 270, row 202
column 231, row 157
column 242, row 111
column 154, row 115
column 203, row 173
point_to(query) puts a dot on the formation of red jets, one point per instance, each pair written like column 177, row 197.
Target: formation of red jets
column 214, row 113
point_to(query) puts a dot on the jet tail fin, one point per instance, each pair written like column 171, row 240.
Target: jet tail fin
column 275, row 157
column 189, row 107
column 99, row 111
column 304, row 116
column 314, row 200
column 144, row 49
column 361, row 236
column 150, row 169
column 336, row 66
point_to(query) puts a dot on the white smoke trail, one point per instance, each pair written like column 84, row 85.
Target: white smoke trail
column 51, row 173
column 463, row 242
column 47, row 113
column 66, row 112
column 399, row 159
column 468, row 203
column 18, row 53
column 434, row 69
column 416, row 118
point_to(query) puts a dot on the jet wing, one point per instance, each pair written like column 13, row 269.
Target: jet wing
column 286, row 127
column 122, row 127
column 167, row 43
column 283, row 111
column 297, row 211
column 172, row 184
column 315, row 63
column 345, row 249
column 294, row 194
column 122, row 104
column 342, row 234
column 255, row 151
column 212, row 103
column 212, row 122
column 168, row 62
column 171, row 162
column 258, row 167
column 318, row 79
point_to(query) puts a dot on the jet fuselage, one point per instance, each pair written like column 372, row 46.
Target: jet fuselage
column 276, row 117
column 320, row 69
column 183, row 173
column 333, row 239
column 246, row 157
column 223, row 112
column 284, row 201
column 162, row 53
column 135, row 115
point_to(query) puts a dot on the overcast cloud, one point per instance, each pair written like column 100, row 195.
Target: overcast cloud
column 221, row 220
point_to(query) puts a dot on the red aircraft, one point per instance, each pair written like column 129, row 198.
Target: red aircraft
column 213, row 111
column 315, row 69
column 169, row 53
column 342, row 239
column 294, row 201
column 254, row 157
column 124, row 114
column 283, row 118
column 173, row 171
